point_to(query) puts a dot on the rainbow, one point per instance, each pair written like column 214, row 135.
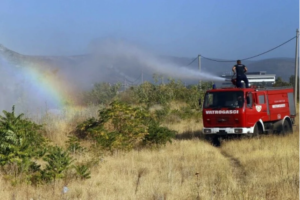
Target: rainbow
column 50, row 85
column 43, row 83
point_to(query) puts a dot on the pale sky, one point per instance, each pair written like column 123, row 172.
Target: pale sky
column 222, row 29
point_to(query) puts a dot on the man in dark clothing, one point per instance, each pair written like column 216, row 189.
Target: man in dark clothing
column 240, row 71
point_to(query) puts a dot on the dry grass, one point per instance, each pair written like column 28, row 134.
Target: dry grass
column 189, row 168
column 59, row 124
column 270, row 165
column 168, row 173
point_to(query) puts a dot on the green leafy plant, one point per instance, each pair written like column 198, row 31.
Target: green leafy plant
column 82, row 171
column 158, row 135
column 120, row 126
column 58, row 162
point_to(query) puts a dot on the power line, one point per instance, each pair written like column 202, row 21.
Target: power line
column 217, row 60
column 192, row 61
column 270, row 49
column 251, row 56
column 133, row 82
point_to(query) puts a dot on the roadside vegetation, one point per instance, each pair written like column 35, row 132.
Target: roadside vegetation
column 144, row 142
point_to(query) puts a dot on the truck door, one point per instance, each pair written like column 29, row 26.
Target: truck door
column 262, row 106
column 250, row 111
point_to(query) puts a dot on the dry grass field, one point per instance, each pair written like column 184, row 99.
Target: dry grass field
column 189, row 168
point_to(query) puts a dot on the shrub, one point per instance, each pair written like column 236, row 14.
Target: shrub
column 58, row 162
column 119, row 126
column 20, row 141
column 158, row 135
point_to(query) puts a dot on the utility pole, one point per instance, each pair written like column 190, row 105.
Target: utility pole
column 296, row 69
column 199, row 67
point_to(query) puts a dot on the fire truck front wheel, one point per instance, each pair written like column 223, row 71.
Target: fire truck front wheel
column 257, row 130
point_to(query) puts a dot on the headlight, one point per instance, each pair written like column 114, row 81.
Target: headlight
column 207, row 131
column 238, row 130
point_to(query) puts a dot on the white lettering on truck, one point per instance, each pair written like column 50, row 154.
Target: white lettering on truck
column 222, row 112
column 278, row 106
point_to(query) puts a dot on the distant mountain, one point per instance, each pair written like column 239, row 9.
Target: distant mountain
column 97, row 68
column 281, row 67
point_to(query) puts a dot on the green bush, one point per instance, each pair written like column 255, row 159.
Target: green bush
column 120, row 126
column 21, row 142
column 58, row 163
column 124, row 127
column 158, row 135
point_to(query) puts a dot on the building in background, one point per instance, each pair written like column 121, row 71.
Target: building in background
column 259, row 79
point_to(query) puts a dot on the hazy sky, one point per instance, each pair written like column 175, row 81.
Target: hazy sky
column 224, row 29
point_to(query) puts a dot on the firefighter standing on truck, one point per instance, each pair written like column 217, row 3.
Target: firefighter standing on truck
column 240, row 70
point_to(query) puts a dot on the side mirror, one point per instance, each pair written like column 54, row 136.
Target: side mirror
column 200, row 102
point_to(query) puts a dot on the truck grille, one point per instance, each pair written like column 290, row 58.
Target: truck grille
column 224, row 121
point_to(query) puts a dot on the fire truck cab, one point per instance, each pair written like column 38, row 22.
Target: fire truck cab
column 248, row 111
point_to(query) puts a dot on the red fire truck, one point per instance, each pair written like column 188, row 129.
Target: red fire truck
column 248, row 111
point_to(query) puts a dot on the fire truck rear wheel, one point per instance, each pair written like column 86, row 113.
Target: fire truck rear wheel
column 287, row 128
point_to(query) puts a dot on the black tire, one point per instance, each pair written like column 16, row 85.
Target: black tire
column 256, row 131
column 286, row 128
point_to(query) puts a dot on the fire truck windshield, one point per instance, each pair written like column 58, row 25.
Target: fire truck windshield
column 224, row 99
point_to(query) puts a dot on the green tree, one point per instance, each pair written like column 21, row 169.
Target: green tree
column 279, row 82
